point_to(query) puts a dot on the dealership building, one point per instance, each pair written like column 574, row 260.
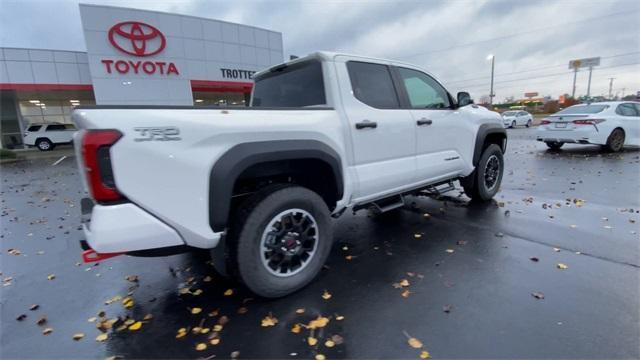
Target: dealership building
column 133, row 57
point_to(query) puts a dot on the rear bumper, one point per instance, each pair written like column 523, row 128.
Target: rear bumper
column 588, row 135
column 124, row 228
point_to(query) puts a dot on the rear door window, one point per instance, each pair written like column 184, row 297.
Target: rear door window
column 55, row 127
column 34, row 128
column 296, row 85
column 626, row 110
column 372, row 84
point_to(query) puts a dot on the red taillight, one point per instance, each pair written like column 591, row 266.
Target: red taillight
column 588, row 122
column 95, row 152
column 545, row 122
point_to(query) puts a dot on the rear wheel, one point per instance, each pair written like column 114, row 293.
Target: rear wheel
column 513, row 124
column 554, row 145
column 528, row 123
column 615, row 141
column 484, row 181
column 44, row 144
column 283, row 237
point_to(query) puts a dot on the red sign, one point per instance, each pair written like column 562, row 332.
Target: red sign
column 141, row 40
column 132, row 37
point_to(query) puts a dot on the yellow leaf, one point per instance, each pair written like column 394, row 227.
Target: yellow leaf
column 229, row 292
column 128, row 302
column 135, row 326
column 197, row 292
column 329, row 343
column 425, row 355
column 414, row 343
column 404, row 282
column 296, row 328
column 78, row 336
column 205, row 330
column 51, row 277
column 201, row 347
column 196, row 310
column 562, row 266
column 312, row 341
column 184, row 290
column 326, row 295
column 269, row 320
column 406, row 293
column 320, row 322
column 320, row 357
column 102, row 337
column 181, row 335
column 214, row 341
column 217, row 328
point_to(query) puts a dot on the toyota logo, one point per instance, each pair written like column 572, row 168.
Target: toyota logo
column 137, row 38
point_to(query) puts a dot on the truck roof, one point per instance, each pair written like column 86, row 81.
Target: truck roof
column 330, row 56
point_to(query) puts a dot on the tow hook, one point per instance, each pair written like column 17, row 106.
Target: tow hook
column 89, row 256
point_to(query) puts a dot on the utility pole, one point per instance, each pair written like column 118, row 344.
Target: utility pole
column 610, row 87
column 491, row 94
column 589, row 84
column 575, row 74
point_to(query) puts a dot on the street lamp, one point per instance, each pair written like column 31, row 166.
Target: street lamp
column 493, row 61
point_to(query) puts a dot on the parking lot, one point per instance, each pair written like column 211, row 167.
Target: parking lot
column 551, row 269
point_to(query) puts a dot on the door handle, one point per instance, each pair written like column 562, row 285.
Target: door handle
column 424, row 121
column 366, row 124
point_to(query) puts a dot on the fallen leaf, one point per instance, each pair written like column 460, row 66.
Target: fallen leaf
column 132, row 278
column 339, row 317
column 425, row 355
column 296, row 328
column 406, row 293
column 426, row 215
column 562, row 266
column 128, row 302
column 47, row 331
column 223, row 319
column 147, row 317
column 312, row 341
column 447, row 308
column 196, row 310
column 414, row 343
column 326, row 295
column 556, row 249
column 207, row 278
column 102, row 337
column 135, row 326
column 320, row 322
column 78, row 336
column 417, row 236
column 51, row 277
column 92, row 319
column 269, row 320
column 300, row 311
column 42, row 321
column 320, row 357
column 537, row 295
column 450, row 251
column 534, row 259
column 235, row 354
column 34, row 307
column 201, row 347
column 217, row 328
column 329, row 343
column 197, row 292
column 348, row 257
column 242, row 310
column 404, row 283
column 228, row 292
column 337, row 339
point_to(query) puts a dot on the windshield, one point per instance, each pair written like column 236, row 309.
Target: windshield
column 509, row 113
column 583, row 109
column 296, row 85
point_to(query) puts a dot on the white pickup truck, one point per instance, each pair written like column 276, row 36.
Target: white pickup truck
column 324, row 133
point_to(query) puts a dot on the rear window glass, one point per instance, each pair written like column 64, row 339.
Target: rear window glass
column 34, row 127
column 583, row 109
column 296, row 85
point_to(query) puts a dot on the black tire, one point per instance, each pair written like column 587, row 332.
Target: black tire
column 250, row 234
column 528, row 123
column 554, row 145
column 483, row 183
column 615, row 141
column 513, row 124
column 44, row 145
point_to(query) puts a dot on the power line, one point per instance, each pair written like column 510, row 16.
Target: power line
column 545, row 76
column 540, row 68
column 595, row 18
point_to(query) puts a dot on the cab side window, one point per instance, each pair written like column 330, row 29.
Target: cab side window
column 372, row 84
column 56, row 127
column 423, row 91
column 626, row 110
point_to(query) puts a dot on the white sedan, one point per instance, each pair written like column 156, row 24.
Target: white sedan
column 613, row 125
column 512, row 118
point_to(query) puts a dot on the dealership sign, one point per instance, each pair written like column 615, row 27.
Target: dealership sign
column 140, row 40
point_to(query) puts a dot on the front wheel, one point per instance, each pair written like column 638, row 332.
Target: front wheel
column 554, row 145
column 283, row 240
column 484, row 182
column 44, row 145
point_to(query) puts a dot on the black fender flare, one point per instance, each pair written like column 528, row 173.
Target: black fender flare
column 232, row 163
column 483, row 132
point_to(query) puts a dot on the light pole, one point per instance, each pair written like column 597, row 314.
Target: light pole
column 493, row 62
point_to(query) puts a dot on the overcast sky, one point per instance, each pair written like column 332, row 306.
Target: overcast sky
column 533, row 41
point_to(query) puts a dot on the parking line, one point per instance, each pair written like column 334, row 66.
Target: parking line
column 59, row 160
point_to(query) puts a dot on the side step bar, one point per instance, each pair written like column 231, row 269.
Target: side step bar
column 387, row 204
column 438, row 189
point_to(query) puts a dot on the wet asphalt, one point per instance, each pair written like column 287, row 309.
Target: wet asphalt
column 471, row 274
